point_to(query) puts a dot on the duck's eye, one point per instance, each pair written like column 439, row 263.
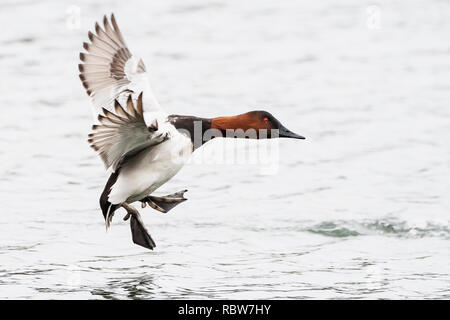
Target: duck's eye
column 266, row 119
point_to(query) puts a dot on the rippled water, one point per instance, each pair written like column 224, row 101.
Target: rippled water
column 358, row 210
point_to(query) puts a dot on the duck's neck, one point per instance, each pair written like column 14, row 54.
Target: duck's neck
column 194, row 127
column 199, row 129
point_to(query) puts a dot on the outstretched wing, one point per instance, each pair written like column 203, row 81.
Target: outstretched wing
column 123, row 133
column 110, row 72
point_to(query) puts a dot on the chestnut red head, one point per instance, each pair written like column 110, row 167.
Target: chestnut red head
column 254, row 120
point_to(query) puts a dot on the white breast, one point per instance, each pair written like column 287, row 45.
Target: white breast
column 146, row 172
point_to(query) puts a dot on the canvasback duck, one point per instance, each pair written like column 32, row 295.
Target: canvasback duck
column 141, row 145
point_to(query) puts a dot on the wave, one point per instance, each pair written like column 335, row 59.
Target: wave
column 387, row 226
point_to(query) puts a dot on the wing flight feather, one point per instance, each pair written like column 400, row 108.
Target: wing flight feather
column 122, row 133
column 110, row 72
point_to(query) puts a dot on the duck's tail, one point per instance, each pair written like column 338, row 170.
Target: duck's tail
column 107, row 207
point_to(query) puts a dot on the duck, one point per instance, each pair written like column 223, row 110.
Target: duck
column 141, row 146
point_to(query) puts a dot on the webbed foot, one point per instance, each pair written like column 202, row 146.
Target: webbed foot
column 166, row 203
column 139, row 233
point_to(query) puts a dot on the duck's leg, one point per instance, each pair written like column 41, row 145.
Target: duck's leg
column 138, row 231
column 166, row 203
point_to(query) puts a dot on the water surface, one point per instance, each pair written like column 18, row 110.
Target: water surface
column 358, row 210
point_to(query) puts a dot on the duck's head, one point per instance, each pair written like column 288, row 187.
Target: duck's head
column 262, row 122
